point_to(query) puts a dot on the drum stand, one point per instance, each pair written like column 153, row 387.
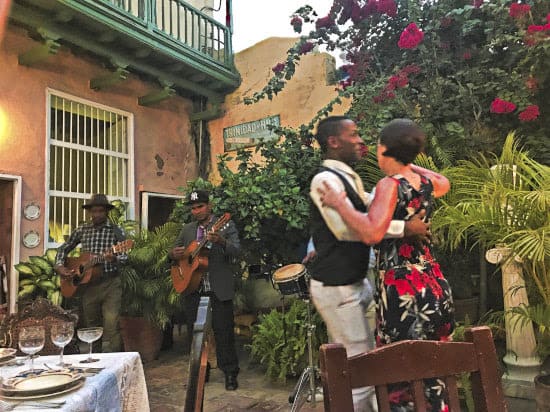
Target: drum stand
column 306, row 387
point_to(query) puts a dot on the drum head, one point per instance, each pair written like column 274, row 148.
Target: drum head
column 288, row 272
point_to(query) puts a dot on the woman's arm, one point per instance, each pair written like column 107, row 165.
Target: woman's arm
column 441, row 183
column 369, row 228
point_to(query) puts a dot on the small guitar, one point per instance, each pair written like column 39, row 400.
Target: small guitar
column 88, row 267
column 187, row 274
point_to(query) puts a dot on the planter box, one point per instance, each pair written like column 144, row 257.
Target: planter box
column 140, row 335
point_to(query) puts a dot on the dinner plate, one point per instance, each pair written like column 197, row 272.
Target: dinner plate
column 76, row 385
column 7, row 353
column 39, row 383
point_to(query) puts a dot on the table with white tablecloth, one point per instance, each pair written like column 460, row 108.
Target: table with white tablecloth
column 120, row 386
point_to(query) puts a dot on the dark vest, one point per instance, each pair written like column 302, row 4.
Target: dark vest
column 338, row 262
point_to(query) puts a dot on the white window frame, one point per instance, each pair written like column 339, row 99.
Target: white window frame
column 131, row 171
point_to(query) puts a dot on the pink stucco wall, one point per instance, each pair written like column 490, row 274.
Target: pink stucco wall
column 162, row 130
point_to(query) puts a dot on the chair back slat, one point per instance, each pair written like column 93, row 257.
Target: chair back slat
column 413, row 361
column 418, row 396
column 452, row 393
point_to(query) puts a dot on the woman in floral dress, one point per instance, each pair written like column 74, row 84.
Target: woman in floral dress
column 413, row 298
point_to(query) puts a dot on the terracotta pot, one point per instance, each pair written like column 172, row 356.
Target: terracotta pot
column 140, row 335
column 542, row 392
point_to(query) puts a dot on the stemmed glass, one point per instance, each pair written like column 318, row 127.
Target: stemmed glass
column 31, row 341
column 61, row 334
column 89, row 335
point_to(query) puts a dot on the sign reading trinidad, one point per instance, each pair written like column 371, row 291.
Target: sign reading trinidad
column 250, row 133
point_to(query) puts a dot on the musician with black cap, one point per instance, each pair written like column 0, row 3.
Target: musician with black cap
column 101, row 298
column 218, row 281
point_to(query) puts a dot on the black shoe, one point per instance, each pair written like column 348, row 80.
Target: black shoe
column 231, row 383
column 207, row 374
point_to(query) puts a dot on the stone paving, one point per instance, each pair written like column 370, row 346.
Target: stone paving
column 167, row 378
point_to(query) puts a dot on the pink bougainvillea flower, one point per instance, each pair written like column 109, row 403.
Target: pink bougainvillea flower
column 467, row 55
column 278, row 68
column 296, row 23
column 530, row 113
column 397, row 81
column 387, row 7
column 410, row 37
column 364, row 150
column 477, row 3
column 324, row 22
column 534, row 28
column 410, row 69
column 517, row 11
column 306, row 47
column 502, row 106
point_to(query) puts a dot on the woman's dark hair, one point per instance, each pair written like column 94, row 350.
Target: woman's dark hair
column 329, row 126
column 403, row 139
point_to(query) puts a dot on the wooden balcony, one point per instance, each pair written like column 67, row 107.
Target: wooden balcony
column 167, row 41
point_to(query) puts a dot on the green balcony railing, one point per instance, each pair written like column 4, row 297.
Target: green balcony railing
column 183, row 23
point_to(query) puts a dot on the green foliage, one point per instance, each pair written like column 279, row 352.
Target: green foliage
column 146, row 283
column 279, row 340
column 468, row 57
column 539, row 314
column 268, row 200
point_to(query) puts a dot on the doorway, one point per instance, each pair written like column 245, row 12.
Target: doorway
column 10, row 206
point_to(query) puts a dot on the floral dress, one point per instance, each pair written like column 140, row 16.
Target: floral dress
column 413, row 299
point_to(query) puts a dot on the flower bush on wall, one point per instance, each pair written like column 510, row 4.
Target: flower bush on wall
column 467, row 71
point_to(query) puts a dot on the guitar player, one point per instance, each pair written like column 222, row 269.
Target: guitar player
column 218, row 282
column 101, row 299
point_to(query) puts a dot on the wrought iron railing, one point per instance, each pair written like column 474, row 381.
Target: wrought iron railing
column 183, row 23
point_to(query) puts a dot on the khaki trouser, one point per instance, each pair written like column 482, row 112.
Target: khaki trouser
column 101, row 307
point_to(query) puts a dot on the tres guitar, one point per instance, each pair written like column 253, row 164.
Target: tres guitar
column 88, row 267
column 187, row 274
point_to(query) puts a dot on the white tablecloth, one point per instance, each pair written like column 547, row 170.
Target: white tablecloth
column 119, row 387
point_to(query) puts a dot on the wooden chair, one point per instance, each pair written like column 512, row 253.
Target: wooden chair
column 412, row 361
column 198, row 360
column 40, row 311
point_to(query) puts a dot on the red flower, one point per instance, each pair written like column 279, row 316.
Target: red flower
column 416, row 280
column 296, row 23
column 398, row 81
column 410, row 37
column 364, row 150
column 415, row 203
column 467, row 55
column 427, row 254
column 389, row 277
column 517, row 11
column 387, row 7
column 404, row 287
column 410, row 69
column 405, row 250
column 477, row 3
column 502, row 106
column 324, row 22
column 306, row 47
column 548, row 18
column 530, row 113
column 534, row 28
column 278, row 68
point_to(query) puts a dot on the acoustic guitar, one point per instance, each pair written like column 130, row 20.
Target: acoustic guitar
column 188, row 273
column 88, row 267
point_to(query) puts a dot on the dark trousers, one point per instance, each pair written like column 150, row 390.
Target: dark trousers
column 223, row 327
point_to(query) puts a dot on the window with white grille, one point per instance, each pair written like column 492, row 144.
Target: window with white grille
column 89, row 152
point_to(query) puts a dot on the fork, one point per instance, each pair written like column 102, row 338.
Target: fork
column 10, row 406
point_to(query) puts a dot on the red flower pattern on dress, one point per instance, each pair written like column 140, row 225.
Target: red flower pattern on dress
column 411, row 37
column 415, row 203
column 416, row 279
column 436, row 270
column 403, row 287
column 517, row 10
column 530, row 113
column 500, row 106
column 405, row 250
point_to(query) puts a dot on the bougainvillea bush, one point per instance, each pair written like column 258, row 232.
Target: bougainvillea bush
column 468, row 71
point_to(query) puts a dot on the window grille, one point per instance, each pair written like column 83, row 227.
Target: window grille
column 89, row 152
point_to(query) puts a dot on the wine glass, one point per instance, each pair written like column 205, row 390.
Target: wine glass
column 61, row 334
column 31, row 341
column 89, row 335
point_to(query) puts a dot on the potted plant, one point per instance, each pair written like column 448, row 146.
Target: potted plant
column 148, row 298
column 504, row 201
